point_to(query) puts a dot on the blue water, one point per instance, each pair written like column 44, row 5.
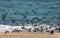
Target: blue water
column 48, row 11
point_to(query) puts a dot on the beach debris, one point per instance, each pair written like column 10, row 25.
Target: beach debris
column 6, row 32
column 51, row 32
column 15, row 30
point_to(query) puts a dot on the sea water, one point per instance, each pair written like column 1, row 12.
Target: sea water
column 46, row 10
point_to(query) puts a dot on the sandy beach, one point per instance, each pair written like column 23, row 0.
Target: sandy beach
column 29, row 35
